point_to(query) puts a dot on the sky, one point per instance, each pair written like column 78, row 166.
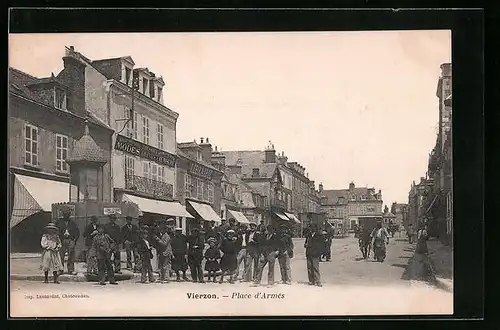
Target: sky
column 349, row 106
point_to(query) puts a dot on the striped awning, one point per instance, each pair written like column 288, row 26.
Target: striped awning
column 281, row 216
column 292, row 217
column 33, row 195
column 206, row 212
column 238, row 216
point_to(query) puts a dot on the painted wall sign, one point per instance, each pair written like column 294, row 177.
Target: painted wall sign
column 199, row 170
column 112, row 210
column 142, row 150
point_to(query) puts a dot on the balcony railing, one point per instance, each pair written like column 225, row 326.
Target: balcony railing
column 154, row 188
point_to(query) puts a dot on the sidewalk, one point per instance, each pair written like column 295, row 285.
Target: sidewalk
column 441, row 263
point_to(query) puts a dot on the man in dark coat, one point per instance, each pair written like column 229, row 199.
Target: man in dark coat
column 196, row 244
column 114, row 231
column 252, row 239
column 69, row 234
column 285, row 250
column 130, row 235
column 179, row 250
column 269, row 253
column 102, row 243
column 162, row 239
column 314, row 245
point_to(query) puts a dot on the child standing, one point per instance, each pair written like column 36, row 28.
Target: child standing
column 51, row 257
column 212, row 256
column 230, row 248
column 145, row 254
column 102, row 244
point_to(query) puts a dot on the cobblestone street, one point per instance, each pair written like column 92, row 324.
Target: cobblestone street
column 345, row 278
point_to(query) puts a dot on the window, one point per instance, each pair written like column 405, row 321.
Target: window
column 363, row 197
column 159, row 94
column 128, row 71
column 205, row 191
column 152, row 91
column 31, row 145
column 159, row 135
column 61, row 153
column 136, row 125
column 144, row 85
column 154, row 172
column 131, row 132
column 145, row 130
column 210, row 192
column 146, row 170
column 353, row 198
column 188, row 185
column 129, row 166
column 60, row 98
column 161, row 173
column 199, row 189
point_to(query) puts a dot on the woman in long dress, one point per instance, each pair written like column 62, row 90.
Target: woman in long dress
column 51, row 258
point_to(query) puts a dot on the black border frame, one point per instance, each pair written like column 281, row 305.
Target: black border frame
column 468, row 66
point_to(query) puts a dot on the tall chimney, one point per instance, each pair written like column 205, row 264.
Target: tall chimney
column 206, row 150
column 73, row 76
column 351, row 186
column 270, row 154
column 320, row 187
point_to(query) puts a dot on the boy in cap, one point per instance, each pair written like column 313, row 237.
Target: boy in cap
column 179, row 250
column 114, row 231
column 195, row 254
column 144, row 250
column 69, row 234
column 212, row 256
column 162, row 241
column 130, row 235
column 102, row 244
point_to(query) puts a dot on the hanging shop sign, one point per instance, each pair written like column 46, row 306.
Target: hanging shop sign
column 142, row 150
column 112, row 210
column 200, row 170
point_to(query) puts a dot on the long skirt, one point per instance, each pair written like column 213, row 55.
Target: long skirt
column 179, row 263
column 212, row 265
column 51, row 260
column 229, row 262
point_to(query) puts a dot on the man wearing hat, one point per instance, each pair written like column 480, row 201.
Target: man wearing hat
column 103, row 245
column 162, row 242
column 130, row 234
column 195, row 255
column 269, row 253
column 114, row 231
column 379, row 238
column 252, row 238
column 314, row 245
column 179, row 250
column 69, row 234
column 285, row 244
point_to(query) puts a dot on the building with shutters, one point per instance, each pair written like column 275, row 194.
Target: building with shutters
column 46, row 118
column 129, row 100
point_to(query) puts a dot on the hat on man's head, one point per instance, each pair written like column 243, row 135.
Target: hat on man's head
column 230, row 231
column 50, row 225
column 178, row 229
column 170, row 220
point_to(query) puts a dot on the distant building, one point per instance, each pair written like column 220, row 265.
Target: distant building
column 400, row 210
column 416, row 202
column 351, row 205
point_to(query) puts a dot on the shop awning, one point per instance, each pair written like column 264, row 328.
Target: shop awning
column 238, row 216
column 432, row 204
column 33, row 195
column 174, row 209
column 206, row 212
column 292, row 217
column 281, row 216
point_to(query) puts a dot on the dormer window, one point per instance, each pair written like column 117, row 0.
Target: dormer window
column 59, row 98
column 363, row 198
column 145, row 85
column 159, row 94
column 128, row 74
column 353, row 198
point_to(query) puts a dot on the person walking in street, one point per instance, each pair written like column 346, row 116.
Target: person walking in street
column 314, row 245
column 212, row 257
column 252, row 254
column 91, row 257
column 51, row 257
column 144, row 250
column 364, row 241
column 229, row 248
column 114, row 231
column 285, row 253
column 130, row 235
column 196, row 245
column 330, row 232
column 69, row 234
column 269, row 253
column 421, row 258
column 411, row 234
column 380, row 238
column 179, row 250
column 241, row 258
column 162, row 240
column 103, row 244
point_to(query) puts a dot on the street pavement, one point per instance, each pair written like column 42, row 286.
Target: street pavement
column 351, row 286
